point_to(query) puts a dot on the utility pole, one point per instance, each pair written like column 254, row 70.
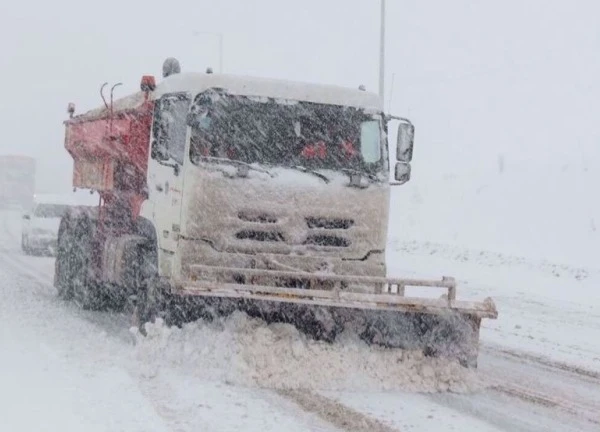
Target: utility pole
column 220, row 52
column 220, row 37
column 382, row 52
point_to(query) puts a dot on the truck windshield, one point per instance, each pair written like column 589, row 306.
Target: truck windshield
column 285, row 133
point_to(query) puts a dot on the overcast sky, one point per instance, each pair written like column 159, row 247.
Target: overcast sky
column 478, row 78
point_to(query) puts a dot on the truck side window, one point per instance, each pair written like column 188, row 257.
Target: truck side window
column 170, row 126
column 370, row 145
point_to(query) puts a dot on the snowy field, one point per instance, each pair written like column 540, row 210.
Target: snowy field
column 539, row 370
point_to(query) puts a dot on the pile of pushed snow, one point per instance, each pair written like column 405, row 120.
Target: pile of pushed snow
column 248, row 352
column 531, row 210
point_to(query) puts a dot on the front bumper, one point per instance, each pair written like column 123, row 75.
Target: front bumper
column 387, row 294
column 192, row 253
column 201, row 271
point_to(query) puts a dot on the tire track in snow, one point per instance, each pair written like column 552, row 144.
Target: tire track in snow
column 329, row 410
column 334, row 412
column 24, row 269
column 582, row 373
column 588, row 411
column 341, row 415
column 112, row 323
column 573, row 389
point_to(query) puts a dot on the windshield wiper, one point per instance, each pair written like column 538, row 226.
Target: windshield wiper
column 370, row 176
column 226, row 161
column 306, row 170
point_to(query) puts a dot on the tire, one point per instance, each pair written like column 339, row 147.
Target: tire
column 62, row 272
column 87, row 291
column 149, row 298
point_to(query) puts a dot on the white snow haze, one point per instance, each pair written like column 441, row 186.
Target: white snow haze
column 483, row 82
column 504, row 196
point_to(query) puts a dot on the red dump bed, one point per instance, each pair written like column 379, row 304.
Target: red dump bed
column 110, row 146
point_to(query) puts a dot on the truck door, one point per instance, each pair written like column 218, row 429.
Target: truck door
column 165, row 171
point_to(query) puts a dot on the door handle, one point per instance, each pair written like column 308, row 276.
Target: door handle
column 159, row 188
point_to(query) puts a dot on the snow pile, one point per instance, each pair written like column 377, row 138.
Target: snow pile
column 488, row 259
column 245, row 351
column 533, row 211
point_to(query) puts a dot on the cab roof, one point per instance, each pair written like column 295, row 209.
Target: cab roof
column 195, row 83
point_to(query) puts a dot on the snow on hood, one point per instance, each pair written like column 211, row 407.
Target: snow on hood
column 286, row 177
column 216, row 198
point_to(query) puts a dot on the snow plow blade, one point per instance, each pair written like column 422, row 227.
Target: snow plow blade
column 322, row 305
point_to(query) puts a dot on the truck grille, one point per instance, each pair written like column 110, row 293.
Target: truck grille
column 262, row 236
column 257, row 218
column 326, row 240
column 325, row 223
column 261, row 226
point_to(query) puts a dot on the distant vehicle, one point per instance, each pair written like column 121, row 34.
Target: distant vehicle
column 40, row 225
column 17, row 181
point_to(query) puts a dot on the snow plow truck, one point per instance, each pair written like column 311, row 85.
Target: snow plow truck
column 222, row 193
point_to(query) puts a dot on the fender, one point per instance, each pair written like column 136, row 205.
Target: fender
column 120, row 254
column 118, row 258
column 145, row 227
column 148, row 215
column 146, row 218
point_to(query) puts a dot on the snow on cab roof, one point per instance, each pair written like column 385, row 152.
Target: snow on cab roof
column 195, row 83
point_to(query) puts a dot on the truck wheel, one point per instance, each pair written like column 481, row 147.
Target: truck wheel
column 86, row 290
column 62, row 275
column 149, row 297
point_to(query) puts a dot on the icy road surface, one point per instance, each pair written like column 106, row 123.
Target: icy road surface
column 70, row 370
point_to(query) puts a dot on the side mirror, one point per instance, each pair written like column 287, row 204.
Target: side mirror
column 402, row 172
column 404, row 146
column 26, row 217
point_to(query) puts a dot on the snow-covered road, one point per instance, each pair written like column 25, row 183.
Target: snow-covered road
column 66, row 369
